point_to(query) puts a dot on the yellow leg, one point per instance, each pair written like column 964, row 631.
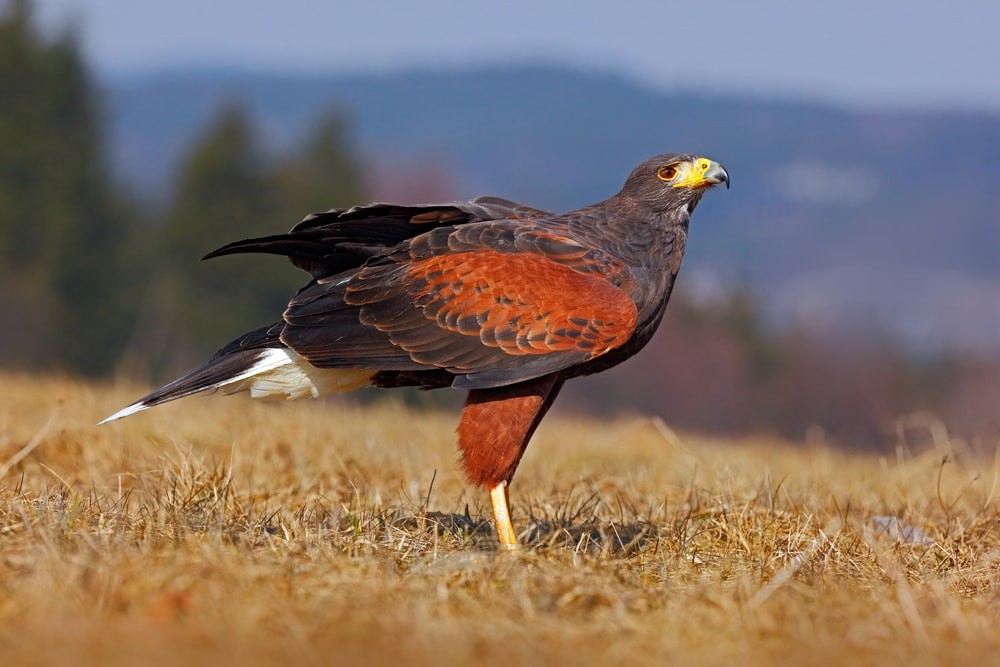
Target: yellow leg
column 501, row 516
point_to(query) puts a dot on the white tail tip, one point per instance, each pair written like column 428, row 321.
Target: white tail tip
column 124, row 412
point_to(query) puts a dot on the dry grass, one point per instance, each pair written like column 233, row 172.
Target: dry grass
column 226, row 532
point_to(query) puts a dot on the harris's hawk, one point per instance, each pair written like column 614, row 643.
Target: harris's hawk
column 501, row 299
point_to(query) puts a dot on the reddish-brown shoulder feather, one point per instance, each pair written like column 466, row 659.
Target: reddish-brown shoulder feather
column 493, row 318
column 522, row 304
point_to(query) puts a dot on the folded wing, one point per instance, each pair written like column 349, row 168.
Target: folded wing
column 488, row 318
column 474, row 294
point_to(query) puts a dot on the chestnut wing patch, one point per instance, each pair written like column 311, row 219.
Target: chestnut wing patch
column 494, row 318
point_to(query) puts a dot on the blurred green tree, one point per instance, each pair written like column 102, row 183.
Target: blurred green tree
column 64, row 237
column 226, row 190
column 324, row 172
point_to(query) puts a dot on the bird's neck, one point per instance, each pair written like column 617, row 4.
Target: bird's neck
column 636, row 234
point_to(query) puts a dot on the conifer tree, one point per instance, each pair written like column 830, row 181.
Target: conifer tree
column 63, row 235
column 226, row 190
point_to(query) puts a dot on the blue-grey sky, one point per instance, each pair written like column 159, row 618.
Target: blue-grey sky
column 888, row 53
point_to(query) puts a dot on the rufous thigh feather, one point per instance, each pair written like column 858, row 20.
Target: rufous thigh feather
column 496, row 425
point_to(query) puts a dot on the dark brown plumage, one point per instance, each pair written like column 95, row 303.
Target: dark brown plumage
column 488, row 295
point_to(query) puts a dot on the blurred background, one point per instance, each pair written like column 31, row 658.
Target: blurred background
column 847, row 288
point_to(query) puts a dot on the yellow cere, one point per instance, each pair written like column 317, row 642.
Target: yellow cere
column 691, row 174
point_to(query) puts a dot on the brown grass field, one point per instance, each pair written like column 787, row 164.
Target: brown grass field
column 225, row 532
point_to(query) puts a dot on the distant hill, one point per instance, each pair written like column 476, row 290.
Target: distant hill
column 836, row 217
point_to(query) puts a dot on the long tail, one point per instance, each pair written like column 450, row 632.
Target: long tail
column 269, row 373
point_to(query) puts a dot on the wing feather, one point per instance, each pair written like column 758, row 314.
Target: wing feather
column 489, row 317
column 327, row 243
column 491, row 302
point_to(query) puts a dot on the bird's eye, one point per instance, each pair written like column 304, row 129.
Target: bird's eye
column 667, row 173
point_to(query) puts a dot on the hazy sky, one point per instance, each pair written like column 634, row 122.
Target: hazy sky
column 920, row 53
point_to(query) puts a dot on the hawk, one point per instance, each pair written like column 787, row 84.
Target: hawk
column 487, row 295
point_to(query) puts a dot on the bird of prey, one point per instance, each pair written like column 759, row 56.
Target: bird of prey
column 488, row 295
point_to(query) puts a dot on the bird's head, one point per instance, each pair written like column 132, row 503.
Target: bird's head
column 674, row 181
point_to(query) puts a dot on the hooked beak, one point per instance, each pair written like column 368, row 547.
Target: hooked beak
column 716, row 174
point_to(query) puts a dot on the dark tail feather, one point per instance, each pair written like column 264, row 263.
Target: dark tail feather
column 279, row 244
column 222, row 370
